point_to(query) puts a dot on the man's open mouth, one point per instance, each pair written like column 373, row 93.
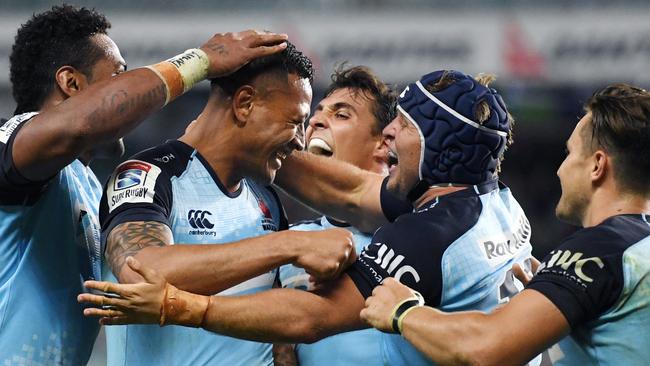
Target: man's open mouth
column 320, row 147
column 392, row 158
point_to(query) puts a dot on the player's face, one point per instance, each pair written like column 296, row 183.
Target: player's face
column 574, row 176
column 342, row 128
column 278, row 120
column 403, row 142
column 111, row 64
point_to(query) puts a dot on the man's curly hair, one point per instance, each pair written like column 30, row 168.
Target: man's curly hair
column 47, row 41
column 289, row 61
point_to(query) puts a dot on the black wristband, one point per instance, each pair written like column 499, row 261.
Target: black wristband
column 400, row 310
column 417, row 300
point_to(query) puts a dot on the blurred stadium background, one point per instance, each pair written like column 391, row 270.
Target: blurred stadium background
column 549, row 57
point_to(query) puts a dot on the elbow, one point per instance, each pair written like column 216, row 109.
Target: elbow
column 306, row 329
column 476, row 354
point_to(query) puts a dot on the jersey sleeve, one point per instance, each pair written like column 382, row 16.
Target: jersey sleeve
column 391, row 205
column 401, row 250
column 14, row 188
column 137, row 190
column 583, row 277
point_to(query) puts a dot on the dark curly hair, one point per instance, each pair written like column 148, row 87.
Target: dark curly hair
column 363, row 79
column 45, row 43
column 289, row 61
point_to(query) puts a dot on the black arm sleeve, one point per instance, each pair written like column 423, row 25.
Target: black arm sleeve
column 403, row 250
column 584, row 276
column 14, row 188
column 391, row 205
column 138, row 190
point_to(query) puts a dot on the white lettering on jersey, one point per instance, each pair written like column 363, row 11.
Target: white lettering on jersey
column 132, row 182
column 499, row 249
column 387, row 260
column 565, row 259
column 8, row 128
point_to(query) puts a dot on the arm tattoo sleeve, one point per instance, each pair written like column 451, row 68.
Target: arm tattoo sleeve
column 128, row 238
column 284, row 355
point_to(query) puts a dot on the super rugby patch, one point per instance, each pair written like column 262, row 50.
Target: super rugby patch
column 132, row 182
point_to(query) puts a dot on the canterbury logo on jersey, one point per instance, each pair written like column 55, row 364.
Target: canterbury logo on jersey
column 387, row 260
column 198, row 219
column 566, row 260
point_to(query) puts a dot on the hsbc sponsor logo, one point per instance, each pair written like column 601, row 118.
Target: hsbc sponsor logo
column 391, row 263
column 498, row 250
column 132, row 182
column 572, row 265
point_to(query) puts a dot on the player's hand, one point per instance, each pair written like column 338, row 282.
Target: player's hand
column 523, row 274
column 324, row 254
column 228, row 52
column 379, row 308
column 138, row 303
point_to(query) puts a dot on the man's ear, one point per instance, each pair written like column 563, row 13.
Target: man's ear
column 242, row 103
column 601, row 166
column 70, row 80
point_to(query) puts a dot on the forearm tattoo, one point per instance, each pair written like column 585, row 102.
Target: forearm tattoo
column 129, row 238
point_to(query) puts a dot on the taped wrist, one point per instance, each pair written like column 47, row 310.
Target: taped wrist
column 183, row 308
column 181, row 72
column 403, row 308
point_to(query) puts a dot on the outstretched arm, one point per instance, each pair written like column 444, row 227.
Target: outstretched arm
column 278, row 315
column 510, row 335
column 107, row 110
column 209, row 269
column 334, row 188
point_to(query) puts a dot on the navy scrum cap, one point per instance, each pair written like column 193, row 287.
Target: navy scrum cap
column 455, row 150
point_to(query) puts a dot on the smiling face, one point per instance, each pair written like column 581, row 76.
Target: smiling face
column 403, row 140
column 574, row 174
column 343, row 127
column 276, row 126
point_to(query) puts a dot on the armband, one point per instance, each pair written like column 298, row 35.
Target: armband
column 181, row 72
column 403, row 308
column 183, row 308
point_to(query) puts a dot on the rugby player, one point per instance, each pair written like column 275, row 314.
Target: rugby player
column 198, row 210
column 72, row 106
column 593, row 289
column 347, row 125
column 456, row 248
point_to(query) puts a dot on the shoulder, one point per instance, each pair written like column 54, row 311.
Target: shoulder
column 445, row 218
column 610, row 238
column 171, row 157
column 9, row 127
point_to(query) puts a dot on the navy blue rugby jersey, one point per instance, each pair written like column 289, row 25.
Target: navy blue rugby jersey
column 456, row 250
column 599, row 278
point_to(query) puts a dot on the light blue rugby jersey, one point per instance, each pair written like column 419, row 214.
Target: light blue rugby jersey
column 362, row 347
column 174, row 185
column 456, row 250
column 49, row 244
column 599, row 278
